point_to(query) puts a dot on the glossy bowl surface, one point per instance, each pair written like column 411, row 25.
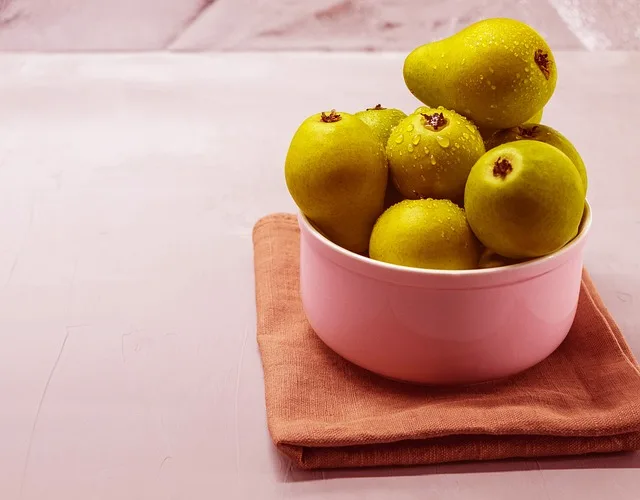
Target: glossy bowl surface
column 439, row 327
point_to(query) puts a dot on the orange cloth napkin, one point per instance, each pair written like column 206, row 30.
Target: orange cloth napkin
column 324, row 412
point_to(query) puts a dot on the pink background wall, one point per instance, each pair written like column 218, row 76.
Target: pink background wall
column 55, row 25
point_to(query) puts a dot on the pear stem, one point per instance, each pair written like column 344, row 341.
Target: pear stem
column 502, row 167
column 332, row 117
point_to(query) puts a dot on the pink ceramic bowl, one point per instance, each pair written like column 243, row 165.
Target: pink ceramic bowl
column 439, row 327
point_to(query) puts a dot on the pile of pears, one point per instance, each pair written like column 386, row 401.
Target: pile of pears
column 469, row 180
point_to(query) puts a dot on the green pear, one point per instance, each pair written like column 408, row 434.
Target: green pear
column 543, row 133
column 431, row 152
column 524, row 199
column 428, row 234
column 497, row 72
column 336, row 173
column 382, row 121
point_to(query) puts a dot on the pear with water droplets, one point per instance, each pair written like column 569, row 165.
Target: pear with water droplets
column 431, row 152
column 428, row 234
column 336, row 172
column 498, row 72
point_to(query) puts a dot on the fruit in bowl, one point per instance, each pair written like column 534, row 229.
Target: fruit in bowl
column 492, row 79
column 444, row 245
column 542, row 133
column 430, row 234
column 382, row 122
column 336, row 172
column 524, row 199
column 431, row 152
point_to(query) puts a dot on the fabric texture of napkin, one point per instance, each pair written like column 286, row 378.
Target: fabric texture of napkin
column 324, row 412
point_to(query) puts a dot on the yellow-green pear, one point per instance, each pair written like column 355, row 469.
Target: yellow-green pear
column 498, row 72
column 543, row 133
column 382, row 121
column 428, row 234
column 336, row 172
column 431, row 152
column 524, row 199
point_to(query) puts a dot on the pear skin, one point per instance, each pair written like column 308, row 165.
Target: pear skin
column 392, row 195
column 497, row 72
column 537, row 118
column 543, row 133
column 524, row 199
column 431, row 152
column 336, row 173
column 382, row 121
column 427, row 234
column 487, row 132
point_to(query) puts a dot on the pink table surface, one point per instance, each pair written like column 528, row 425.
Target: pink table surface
column 129, row 185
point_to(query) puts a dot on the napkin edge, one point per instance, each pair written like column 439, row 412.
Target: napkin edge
column 430, row 452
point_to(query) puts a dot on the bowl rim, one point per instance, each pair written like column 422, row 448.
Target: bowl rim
column 585, row 226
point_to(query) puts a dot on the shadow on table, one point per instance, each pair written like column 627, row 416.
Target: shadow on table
column 608, row 461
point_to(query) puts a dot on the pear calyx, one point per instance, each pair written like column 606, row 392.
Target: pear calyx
column 502, row 167
column 542, row 60
column 435, row 121
column 527, row 132
column 332, row 117
column 377, row 108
